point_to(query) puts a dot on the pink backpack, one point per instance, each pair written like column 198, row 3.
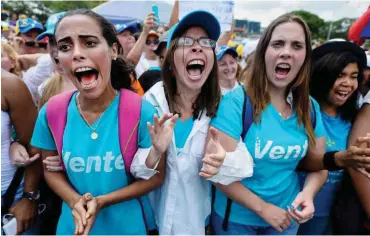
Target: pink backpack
column 128, row 121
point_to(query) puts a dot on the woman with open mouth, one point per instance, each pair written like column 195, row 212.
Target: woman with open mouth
column 281, row 127
column 336, row 75
column 105, row 124
column 191, row 89
column 228, row 68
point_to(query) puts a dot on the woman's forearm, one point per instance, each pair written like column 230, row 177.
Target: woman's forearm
column 58, row 182
column 314, row 182
column 136, row 189
column 240, row 194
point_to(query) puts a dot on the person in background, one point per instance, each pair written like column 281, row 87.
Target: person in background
column 20, row 197
column 336, row 75
column 9, row 60
column 125, row 35
column 148, row 58
column 27, row 31
column 161, row 29
column 13, row 19
column 364, row 87
column 228, row 68
column 153, row 75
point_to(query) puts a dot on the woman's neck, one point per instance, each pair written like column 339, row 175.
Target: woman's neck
column 184, row 100
column 67, row 84
column 278, row 98
column 330, row 110
column 150, row 56
column 100, row 104
column 227, row 83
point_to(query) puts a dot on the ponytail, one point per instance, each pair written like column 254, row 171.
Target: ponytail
column 120, row 74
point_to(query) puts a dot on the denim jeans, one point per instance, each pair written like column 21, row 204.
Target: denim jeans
column 318, row 225
column 239, row 229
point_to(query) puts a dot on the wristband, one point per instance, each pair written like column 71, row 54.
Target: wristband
column 329, row 162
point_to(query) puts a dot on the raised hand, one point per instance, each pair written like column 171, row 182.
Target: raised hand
column 149, row 23
column 214, row 156
column 161, row 133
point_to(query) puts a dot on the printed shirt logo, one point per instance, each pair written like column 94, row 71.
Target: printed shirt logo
column 330, row 142
column 277, row 152
column 93, row 163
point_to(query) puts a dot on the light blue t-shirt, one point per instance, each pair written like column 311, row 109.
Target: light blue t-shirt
column 182, row 131
column 336, row 133
column 276, row 145
column 96, row 166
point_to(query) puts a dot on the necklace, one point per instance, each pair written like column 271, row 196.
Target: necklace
column 94, row 134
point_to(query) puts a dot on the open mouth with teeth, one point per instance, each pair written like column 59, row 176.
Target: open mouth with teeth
column 195, row 68
column 282, row 69
column 342, row 95
column 87, row 77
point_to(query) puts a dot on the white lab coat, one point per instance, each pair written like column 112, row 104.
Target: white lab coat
column 183, row 203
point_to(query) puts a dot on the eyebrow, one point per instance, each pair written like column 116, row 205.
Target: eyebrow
column 80, row 36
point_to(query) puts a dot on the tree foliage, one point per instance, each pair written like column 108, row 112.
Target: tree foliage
column 314, row 22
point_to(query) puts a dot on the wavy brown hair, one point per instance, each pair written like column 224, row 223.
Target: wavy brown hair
column 210, row 95
column 258, row 82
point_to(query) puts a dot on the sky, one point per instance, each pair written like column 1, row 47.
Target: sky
column 266, row 11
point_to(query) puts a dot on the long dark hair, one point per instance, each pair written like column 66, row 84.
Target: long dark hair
column 120, row 69
column 210, row 95
column 325, row 72
column 257, row 77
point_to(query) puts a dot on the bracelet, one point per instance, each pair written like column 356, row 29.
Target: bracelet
column 329, row 162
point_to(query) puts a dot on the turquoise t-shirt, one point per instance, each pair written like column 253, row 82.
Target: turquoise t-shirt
column 276, row 145
column 336, row 132
column 182, row 131
column 96, row 166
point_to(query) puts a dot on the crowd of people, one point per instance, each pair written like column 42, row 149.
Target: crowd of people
column 108, row 130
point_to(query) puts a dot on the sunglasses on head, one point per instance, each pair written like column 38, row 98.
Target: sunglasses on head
column 155, row 42
column 33, row 44
column 203, row 42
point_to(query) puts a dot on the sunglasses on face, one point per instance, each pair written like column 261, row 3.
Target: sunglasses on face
column 33, row 44
column 203, row 42
column 155, row 42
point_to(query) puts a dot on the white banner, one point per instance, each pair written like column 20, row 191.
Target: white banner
column 222, row 9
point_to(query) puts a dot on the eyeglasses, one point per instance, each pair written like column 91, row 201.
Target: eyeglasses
column 155, row 42
column 203, row 42
column 33, row 44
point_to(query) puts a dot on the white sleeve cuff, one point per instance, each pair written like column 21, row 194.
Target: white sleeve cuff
column 138, row 167
column 237, row 166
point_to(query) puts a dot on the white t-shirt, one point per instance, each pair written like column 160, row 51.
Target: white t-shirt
column 226, row 90
column 362, row 99
column 144, row 65
column 36, row 75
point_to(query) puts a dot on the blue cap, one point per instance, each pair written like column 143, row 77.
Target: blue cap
column 204, row 19
column 131, row 26
column 27, row 24
column 221, row 51
column 50, row 25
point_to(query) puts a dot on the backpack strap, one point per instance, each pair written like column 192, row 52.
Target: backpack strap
column 128, row 121
column 313, row 114
column 247, row 119
column 247, row 115
column 56, row 114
